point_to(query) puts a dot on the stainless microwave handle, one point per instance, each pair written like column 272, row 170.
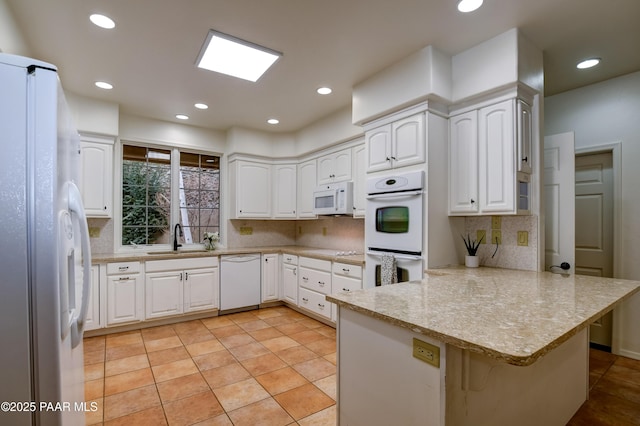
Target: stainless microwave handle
column 396, row 255
column 336, row 199
column 394, row 195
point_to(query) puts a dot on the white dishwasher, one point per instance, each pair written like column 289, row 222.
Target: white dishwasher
column 239, row 282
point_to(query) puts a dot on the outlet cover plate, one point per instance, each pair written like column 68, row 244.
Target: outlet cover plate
column 523, row 238
column 496, row 222
column 496, row 236
column 246, row 230
column 481, row 235
column 426, row 352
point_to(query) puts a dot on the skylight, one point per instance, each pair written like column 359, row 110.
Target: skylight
column 235, row 57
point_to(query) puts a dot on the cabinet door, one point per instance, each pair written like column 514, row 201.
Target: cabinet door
column 335, row 167
column 290, row 283
column 284, row 191
column 163, row 294
column 408, row 141
column 93, row 312
column 525, row 135
column 306, row 185
column 496, row 142
column 96, row 178
column 378, row 143
column 359, row 178
column 124, row 299
column 201, row 289
column 270, row 278
column 253, row 190
column 463, row 163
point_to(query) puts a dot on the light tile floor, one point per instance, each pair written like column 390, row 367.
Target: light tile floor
column 614, row 392
column 271, row 366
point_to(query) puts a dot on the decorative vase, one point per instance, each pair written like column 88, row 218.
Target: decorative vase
column 471, row 261
column 210, row 245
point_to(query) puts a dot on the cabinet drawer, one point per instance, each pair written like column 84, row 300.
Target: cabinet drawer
column 312, row 279
column 180, row 264
column 308, row 262
column 123, row 268
column 345, row 284
column 347, row 270
column 315, row 302
column 290, row 259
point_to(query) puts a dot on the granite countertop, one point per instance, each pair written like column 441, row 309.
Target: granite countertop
column 318, row 253
column 512, row 316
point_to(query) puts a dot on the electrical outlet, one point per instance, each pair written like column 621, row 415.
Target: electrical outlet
column 496, row 236
column 496, row 222
column 426, row 352
column 481, row 235
column 324, row 230
column 523, row 238
column 94, row 232
column 246, row 230
column 300, row 230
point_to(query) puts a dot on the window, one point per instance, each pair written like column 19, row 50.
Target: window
column 161, row 187
column 199, row 196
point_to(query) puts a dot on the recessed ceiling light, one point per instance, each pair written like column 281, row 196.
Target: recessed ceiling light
column 324, row 90
column 469, row 5
column 182, row 117
column 273, row 121
column 235, row 57
column 201, row 106
column 104, row 85
column 102, row 21
column 588, row 63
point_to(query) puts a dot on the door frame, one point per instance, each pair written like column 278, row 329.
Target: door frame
column 615, row 148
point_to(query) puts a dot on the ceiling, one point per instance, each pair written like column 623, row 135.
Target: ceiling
column 150, row 56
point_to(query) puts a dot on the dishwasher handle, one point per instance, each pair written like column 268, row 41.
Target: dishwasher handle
column 240, row 258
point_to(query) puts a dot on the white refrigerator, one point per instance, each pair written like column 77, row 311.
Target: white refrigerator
column 45, row 256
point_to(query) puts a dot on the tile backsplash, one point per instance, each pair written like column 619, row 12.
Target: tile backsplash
column 509, row 254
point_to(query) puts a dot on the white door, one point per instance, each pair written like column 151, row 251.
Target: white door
column 290, row 283
column 378, row 142
column 284, row 191
column 559, row 197
column 201, row 289
column 163, row 294
column 305, row 186
column 463, row 163
column 594, row 227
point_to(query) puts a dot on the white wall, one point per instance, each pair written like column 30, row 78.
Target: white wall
column 330, row 130
column 604, row 113
column 599, row 114
column 11, row 38
column 94, row 116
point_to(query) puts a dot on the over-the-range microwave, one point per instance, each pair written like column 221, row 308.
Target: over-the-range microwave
column 333, row 199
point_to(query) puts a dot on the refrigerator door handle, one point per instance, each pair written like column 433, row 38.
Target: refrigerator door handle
column 75, row 206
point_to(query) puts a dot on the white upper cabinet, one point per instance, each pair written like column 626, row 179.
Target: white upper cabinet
column 284, row 191
column 484, row 147
column 398, row 144
column 359, row 156
column 306, row 184
column 525, row 136
column 463, row 163
column 96, row 180
column 250, row 185
column 334, row 167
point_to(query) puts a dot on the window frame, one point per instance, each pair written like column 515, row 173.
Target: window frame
column 174, row 190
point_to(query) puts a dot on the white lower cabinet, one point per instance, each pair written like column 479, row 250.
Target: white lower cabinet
column 177, row 286
column 314, row 282
column 270, row 278
column 290, row 278
column 92, row 320
column 125, row 293
column 345, row 278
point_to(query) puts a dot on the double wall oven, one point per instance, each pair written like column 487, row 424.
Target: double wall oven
column 393, row 225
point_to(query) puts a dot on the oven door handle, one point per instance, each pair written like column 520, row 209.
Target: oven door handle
column 396, row 255
column 393, row 195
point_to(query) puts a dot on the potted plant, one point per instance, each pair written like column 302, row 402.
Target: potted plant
column 472, row 260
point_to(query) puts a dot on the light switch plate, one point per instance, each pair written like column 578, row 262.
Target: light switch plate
column 523, row 238
column 426, row 352
column 496, row 222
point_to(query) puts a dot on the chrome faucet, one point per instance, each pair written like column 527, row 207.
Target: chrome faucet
column 175, row 236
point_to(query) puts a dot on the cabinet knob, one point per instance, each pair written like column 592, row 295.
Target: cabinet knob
column 525, row 159
column 388, row 159
column 473, row 201
column 266, row 260
column 394, row 158
column 105, row 207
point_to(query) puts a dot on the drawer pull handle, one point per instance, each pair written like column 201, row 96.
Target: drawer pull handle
column 295, row 271
column 346, row 270
column 305, row 278
column 321, row 305
column 321, row 283
column 123, row 279
column 345, row 289
column 123, row 268
column 304, row 299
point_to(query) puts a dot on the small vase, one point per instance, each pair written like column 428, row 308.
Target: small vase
column 471, row 261
column 210, row 246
